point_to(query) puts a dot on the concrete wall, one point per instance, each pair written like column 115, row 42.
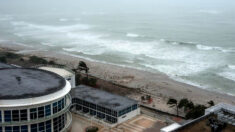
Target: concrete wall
column 128, row 116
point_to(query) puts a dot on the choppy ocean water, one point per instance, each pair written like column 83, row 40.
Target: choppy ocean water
column 194, row 46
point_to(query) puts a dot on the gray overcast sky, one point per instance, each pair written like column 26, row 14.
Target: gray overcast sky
column 126, row 6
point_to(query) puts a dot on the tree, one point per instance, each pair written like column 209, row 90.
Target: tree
column 211, row 103
column 83, row 67
column 196, row 112
column 3, row 59
column 183, row 103
column 173, row 103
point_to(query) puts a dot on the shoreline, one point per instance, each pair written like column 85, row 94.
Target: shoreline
column 159, row 85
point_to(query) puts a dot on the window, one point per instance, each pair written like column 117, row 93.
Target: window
column 15, row 115
column 55, row 124
column 0, row 116
column 93, row 106
column 8, row 129
column 48, row 126
column 55, row 110
column 23, row 115
column 92, row 112
column 60, row 105
column 78, row 107
column 108, row 111
column 34, row 127
column 85, row 110
column 100, row 115
column 16, row 129
column 24, row 128
column 7, row 116
column 134, row 107
column 48, row 110
column 33, row 113
column 41, row 112
column 41, row 127
column 114, row 113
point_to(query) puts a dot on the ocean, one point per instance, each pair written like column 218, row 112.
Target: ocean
column 190, row 42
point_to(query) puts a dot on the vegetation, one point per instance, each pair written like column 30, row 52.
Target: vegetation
column 174, row 103
column 83, row 67
column 211, row 103
column 192, row 111
column 196, row 112
column 3, row 59
column 37, row 60
column 12, row 55
column 92, row 129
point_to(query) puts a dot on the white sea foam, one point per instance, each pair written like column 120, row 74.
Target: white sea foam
column 52, row 28
column 133, row 35
column 228, row 75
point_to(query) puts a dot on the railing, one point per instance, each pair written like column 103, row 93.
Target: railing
column 68, row 123
column 38, row 120
column 54, row 66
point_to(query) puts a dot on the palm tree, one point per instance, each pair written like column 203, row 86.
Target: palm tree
column 173, row 103
column 211, row 103
column 83, row 67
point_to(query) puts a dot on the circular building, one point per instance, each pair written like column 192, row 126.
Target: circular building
column 33, row 100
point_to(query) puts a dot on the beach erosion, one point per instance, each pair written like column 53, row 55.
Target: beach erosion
column 158, row 84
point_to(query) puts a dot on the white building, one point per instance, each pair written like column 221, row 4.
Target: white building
column 65, row 73
column 218, row 118
column 103, row 106
column 33, row 100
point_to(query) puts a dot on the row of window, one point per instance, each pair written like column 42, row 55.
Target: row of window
column 103, row 109
column 35, row 113
column 42, row 127
column 94, row 107
column 58, row 125
column 127, row 110
column 96, row 113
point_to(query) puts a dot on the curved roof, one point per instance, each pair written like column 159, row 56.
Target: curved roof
column 21, row 83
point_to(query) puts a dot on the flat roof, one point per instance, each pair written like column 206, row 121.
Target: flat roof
column 62, row 72
column 21, row 83
column 102, row 98
column 3, row 65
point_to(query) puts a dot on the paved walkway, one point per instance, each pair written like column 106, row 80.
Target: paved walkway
column 140, row 123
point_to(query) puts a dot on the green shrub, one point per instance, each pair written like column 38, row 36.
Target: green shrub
column 12, row 55
column 92, row 82
column 92, row 129
column 52, row 62
column 3, row 59
column 77, row 79
column 197, row 111
column 37, row 60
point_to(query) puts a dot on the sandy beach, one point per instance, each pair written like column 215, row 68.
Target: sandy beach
column 160, row 86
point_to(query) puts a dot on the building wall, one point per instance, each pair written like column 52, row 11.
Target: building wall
column 71, row 80
column 104, row 113
column 51, row 116
column 129, row 115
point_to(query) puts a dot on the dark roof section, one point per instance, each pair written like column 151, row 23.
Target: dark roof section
column 21, row 83
column 102, row 98
column 3, row 65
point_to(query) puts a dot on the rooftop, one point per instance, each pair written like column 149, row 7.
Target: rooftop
column 3, row 65
column 102, row 98
column 61, row 71
column 21, row 83
column 219, row 117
